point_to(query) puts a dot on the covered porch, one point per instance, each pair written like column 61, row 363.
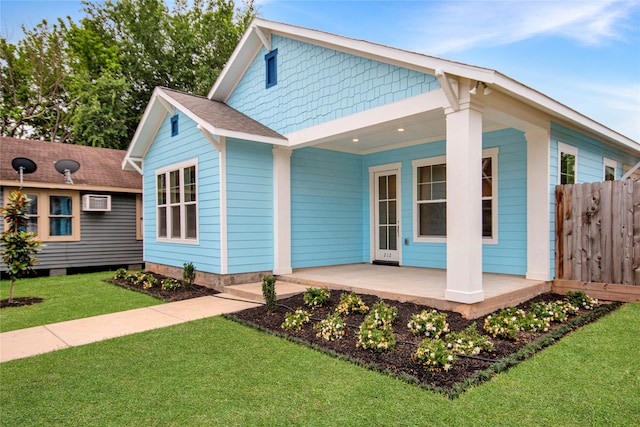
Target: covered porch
column 425, row 286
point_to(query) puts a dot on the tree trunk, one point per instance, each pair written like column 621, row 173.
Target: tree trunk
column 11, row 291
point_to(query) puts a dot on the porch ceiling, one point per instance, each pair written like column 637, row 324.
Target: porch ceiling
column 428, row 126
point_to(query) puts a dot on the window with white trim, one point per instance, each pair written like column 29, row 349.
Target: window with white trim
column 609, row 169
column 567, row 164
column 430, row 198
column 177, row 203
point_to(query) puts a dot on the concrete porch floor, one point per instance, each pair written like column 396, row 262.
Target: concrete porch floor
column 419, row 285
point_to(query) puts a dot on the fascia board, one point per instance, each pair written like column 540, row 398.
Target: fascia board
column 137, row 147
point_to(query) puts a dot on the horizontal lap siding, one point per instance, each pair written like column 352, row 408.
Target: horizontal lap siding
column 316, row 85
column 591, row 153
column 107, row 238
column 326, row 208
column 509, row 255
column 165, row 151
column 249, row 206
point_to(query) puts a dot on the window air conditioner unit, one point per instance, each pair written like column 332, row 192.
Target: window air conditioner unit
column 96, row 203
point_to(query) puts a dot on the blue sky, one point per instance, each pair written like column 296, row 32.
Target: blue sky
column 584, row 54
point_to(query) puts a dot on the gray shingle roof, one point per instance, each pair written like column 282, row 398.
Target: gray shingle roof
column 98, row 166
column 220, row 115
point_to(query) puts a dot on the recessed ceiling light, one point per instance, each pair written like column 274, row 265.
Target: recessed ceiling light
column 400, row 129
column 355, row 140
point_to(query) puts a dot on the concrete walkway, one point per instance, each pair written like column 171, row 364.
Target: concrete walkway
column 43, row 339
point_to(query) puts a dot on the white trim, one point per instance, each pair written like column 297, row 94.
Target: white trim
column 568, row 149
column 390, row 167
column 281, row 211
column 609, row 163
column 163, row 171
column 538, row 204
column 429, row 161
column 222, row 168
column 631, row 171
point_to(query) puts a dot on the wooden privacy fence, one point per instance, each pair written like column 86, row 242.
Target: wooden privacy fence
column 598, row 232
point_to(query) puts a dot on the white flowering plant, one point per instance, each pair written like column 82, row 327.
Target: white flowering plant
column 375, row 337
column 529, row 322
column 295, row 321
column 120, row 274
column 351, row 303
column 430, row 323
column 582, row 300
column 316, row 297
column 469, row 341
column 331, row 328
column 170, row 284
column 504, row 324
column 382, row 314
column 435, row 354
column 555, row 312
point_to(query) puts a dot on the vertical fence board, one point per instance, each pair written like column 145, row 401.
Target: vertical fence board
column 636, row 233
column 595, row 244
column 616, row 234
column 576, row 214
column 560, row 248
column 605, row 232
column 627, row 232
column 568, row 237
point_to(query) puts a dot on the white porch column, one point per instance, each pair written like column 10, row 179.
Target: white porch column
column 281, row 211
column 538, row 203
column 464, row 203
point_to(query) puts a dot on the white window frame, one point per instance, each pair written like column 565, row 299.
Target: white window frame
column 567, row 149
column 489, row 152
column 183, row 232
column 612, row 164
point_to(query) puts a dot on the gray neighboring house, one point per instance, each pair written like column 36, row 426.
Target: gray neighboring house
column 93, row 222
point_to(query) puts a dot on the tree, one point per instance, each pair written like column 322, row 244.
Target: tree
column 36, row 101
column 20, row 245
column 89, row 83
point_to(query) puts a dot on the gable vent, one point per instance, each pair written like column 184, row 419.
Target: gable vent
column 96, row 203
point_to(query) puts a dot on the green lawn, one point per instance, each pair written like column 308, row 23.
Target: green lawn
column 217, row 372
column 66, row 298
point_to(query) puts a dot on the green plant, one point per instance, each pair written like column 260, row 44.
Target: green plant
column 351, row 303
column 373, row 336
column 295, row 321
column 170, row 284
column 375, row 331
column 20, row 246
column 331, row 328
column 469, row 341
column 269, row 292
column 316, row 297
column 582, row 300
column 430, row 323
column 188, row 274
column 504, row 324
column 382, row 313
column 529, row 322
column 434, row 354
column 120, row 274
column 557, row 311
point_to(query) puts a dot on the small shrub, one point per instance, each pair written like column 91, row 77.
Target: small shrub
column 434, row 354
column 295, row 321
column 373, row 336
column 269, row 292
column 504, row 324
column 430, row 323
column 557, row 311
column 331, row 328
column 582, row 300
column 351, row 303
column 120, row 274
column 188, row 274
column 316, row 297
column 170, row 284
column 382, row 314
column 529, row 322
column 132, row 277
column 469, row 341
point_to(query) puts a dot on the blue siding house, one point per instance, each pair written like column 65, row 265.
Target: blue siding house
column 313, row 149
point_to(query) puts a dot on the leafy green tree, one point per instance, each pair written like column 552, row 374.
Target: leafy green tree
column 20, row 246
column 36, row 101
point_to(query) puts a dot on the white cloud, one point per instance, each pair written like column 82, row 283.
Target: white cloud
column 459, row 25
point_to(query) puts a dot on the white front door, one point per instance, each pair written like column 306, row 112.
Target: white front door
column 387, row 217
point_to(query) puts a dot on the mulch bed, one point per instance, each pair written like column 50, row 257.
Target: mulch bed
column 465, row 372
column 170, row 296
column 19, row 302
